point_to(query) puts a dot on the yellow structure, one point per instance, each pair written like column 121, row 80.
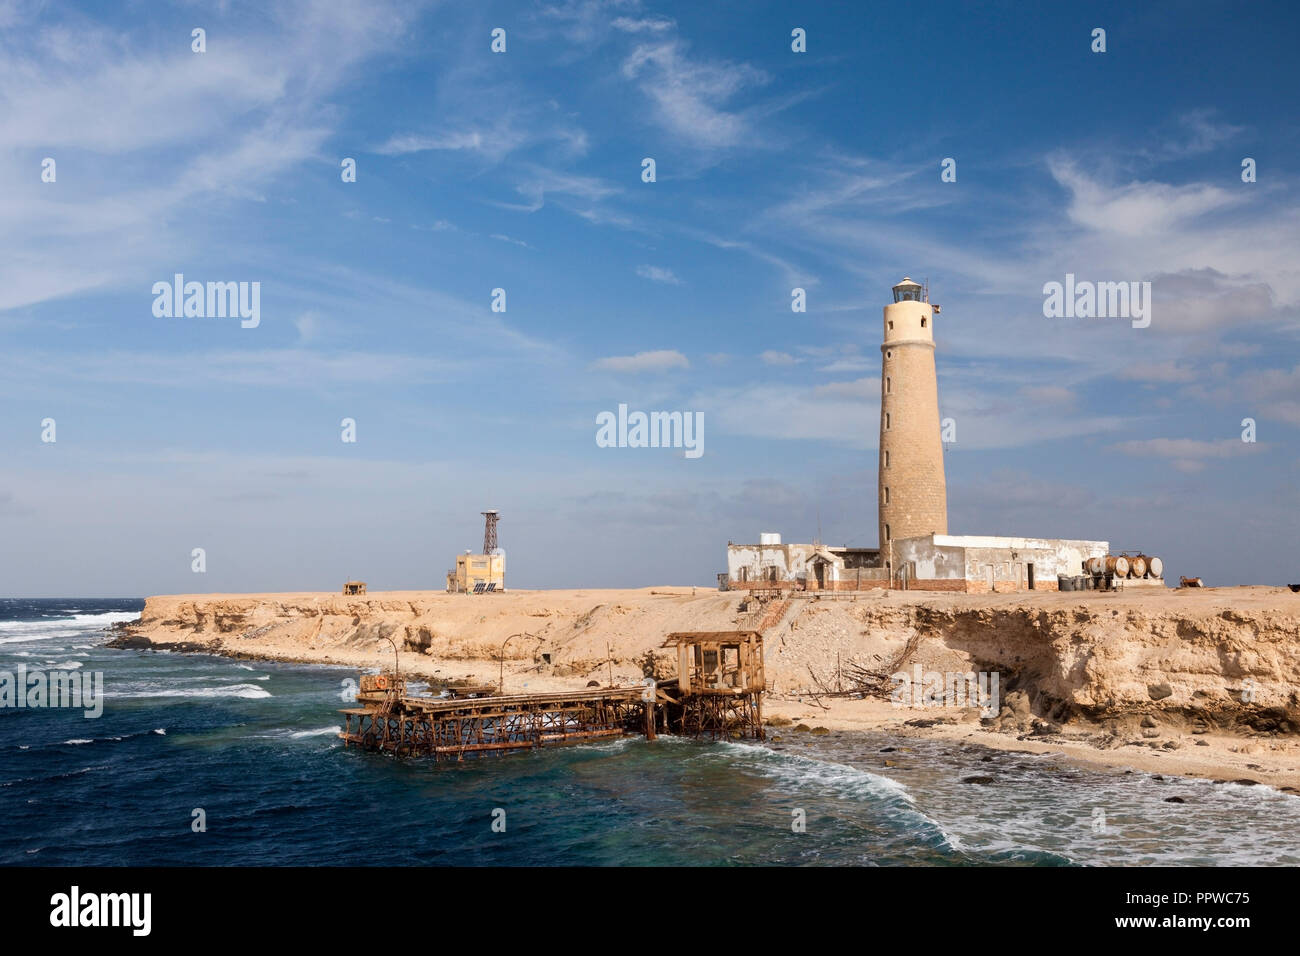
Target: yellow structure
column 478, row 574
column 913, row 493
column 354, row 587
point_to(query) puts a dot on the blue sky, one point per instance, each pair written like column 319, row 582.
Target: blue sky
column 522, row 171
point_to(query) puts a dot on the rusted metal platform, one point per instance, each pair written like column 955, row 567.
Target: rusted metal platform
column 390, row 720
column 720, row 683
column 718, row 693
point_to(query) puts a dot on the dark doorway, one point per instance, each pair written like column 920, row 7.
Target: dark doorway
column 1030, row 568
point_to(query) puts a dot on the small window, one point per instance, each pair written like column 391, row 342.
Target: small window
column 889, row 355
column 891, row 325
column 886, row 494
column 922, row 322
column 887, row 532
column 888, row 385
column 886, row 459
column 886, row 421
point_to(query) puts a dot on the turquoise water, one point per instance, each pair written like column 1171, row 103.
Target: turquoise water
column 252, row 745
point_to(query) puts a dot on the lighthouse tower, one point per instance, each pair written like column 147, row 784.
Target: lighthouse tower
column 912, row 489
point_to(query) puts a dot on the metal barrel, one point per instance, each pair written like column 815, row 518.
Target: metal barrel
column 1078, row 582
column 1155, row 567
column 1064, row 582
column 1117, row 565
column 1137, row 567
column 1095, row 565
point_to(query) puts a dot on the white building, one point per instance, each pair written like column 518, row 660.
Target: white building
column 802, row 567
column 978, row 564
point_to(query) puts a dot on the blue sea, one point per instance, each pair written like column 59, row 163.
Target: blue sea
column 249, row 749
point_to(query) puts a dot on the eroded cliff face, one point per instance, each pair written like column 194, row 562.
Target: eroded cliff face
column 1217, row 659
column 1209, row 668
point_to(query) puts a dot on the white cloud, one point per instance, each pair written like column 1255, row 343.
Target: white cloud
column 656, row 274
column 500, row 237
column 1188, row 455
column 658, row 361
column 404, row 143
column 309, row 325
column 539, row 182
column 265, row 368
column 1158, row 372
column 225, row 123
column 1048, row 394
column 1138, row 208
column 643, row 25
column 689, row 95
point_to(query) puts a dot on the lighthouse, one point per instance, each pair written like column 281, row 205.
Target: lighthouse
column 912, row 489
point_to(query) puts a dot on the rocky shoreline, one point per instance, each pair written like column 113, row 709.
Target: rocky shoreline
column 1198, row 683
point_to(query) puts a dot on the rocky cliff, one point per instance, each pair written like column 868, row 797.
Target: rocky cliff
column 1216, row 658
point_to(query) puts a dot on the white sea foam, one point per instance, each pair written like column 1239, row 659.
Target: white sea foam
column 75, row 621
column 246, row 691
column 28, row 637
column 65, row 666
column 161, row 730
column 78, row 741
column 318, row 732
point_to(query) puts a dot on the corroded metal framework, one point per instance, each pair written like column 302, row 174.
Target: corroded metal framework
column 720, row 716
column 720, row 684
column 450, row 729
column 718, row 693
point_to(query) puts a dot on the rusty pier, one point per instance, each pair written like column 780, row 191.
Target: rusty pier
column 411, row 726
column 717, row 693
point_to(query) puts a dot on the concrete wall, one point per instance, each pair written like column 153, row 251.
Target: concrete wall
column 753, row 563
column 751, row 566
column 473, row 569
column 979, row 564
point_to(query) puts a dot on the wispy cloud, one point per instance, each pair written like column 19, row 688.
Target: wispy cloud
column 1136, row 208
column 691, row 95
column 657, row 274
column 1186, row 454
column 658, row 361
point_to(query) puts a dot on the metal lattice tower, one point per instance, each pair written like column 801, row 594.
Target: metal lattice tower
column 490, row 531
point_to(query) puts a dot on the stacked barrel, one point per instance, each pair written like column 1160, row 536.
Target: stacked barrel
column 1102, row 572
